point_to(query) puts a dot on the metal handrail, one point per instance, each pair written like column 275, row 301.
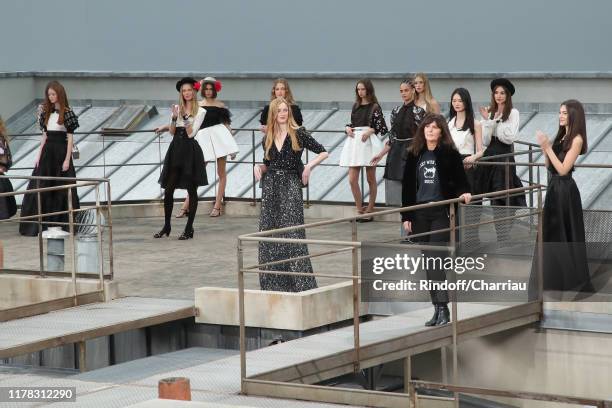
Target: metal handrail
column 354, row 245
column 74, row 182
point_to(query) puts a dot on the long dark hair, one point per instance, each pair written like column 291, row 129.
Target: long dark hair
column 507, row 106
column 576, row 125
column 419, row 142
column 62, row 100
column 370, row 93
column 467, row 106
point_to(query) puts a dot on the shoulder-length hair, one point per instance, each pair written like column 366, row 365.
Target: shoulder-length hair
column 288, row 94
column 576, row 125
column 370, row 93
column 272, row 126
column 464, row 94
column 427, row 95
column 194, row 101
column 62, row 100
column 419, row 142
column 3, row 132
column 507, row 106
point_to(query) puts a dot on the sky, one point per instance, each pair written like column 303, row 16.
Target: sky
column 306, row 36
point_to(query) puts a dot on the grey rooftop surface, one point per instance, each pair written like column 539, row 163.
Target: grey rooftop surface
column 133, row 162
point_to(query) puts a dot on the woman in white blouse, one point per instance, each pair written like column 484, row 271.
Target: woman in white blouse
column 465, row 131
column 500, row 128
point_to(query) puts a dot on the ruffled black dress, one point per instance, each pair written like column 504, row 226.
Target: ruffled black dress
column 185, row 161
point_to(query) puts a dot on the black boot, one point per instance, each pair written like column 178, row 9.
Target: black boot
column 434, row 319
column 443, row 316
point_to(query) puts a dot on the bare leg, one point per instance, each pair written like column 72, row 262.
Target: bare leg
column 371, row 177
column 221, row 162
column 354, row 173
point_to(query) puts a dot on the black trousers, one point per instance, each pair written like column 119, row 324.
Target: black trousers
column 430, row 219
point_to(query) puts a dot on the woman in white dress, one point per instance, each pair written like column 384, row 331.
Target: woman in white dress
column 362, row 143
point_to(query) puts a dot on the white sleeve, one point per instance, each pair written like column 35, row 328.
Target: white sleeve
column 487, row 131
column 197, row 122
column 507, row 132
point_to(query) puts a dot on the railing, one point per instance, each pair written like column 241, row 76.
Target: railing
column 101, row 206
column 353, row 245
column 110, row 137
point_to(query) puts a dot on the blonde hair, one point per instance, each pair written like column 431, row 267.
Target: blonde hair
column 3, row 132
column 426, row 92
column 194, row 101
column 272, row 126
column 288, row 94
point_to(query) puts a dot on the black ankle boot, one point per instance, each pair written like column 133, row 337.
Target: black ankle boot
column 434, row 319
column 164, row 231
column 443, row 316
column 187, row 234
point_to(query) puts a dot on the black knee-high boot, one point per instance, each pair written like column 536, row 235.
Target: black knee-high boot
column 193, row 207
column 168, row 204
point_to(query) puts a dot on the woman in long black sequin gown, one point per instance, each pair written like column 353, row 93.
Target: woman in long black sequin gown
column 281, row 198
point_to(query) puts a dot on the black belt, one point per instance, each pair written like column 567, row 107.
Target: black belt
column 283, row 171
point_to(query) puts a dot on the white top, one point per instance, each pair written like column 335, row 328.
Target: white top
column 507, row 132
column 52, row 124
column 464, row 139
column 195, row 122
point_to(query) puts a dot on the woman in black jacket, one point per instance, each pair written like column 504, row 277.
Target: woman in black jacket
column 434, row 171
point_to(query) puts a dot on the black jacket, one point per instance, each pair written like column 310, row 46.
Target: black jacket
column 449, row 165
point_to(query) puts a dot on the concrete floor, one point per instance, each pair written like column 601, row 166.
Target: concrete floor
column 169, row 268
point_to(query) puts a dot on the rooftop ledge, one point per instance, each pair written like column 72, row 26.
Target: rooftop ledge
column 306, row 75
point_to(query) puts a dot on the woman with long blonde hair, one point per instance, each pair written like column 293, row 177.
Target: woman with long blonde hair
column 423, row 96
column 8, row 206
column 184, row 162
column 282, row 205
column 281, row 89
column 58, row 123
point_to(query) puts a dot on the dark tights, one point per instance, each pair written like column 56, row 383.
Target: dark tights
column 169, row 201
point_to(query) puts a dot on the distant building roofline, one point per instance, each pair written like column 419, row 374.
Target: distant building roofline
column 328, row 75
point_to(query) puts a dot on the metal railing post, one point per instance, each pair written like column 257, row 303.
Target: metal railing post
column 254, row 203
column 355, row 273
column 71, row 229
column 241, row 316
column 100, row 245
column 507, row 167
column 40, row 240
column 109, row 217
column 454, row 299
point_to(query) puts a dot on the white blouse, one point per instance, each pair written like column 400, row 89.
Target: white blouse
column 507, row 132
column 52, row 124
column 464, row 139
column 196, row 122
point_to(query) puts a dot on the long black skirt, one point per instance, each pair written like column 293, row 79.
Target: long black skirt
column 185, row 157
column 565, row 256
column 50, row 165
column 282, row 206
column 8, row 206
column 490, row 178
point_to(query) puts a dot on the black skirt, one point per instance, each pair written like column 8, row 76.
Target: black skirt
column 185, row 159
column 8, row 206
column 50, row 165
column 565, row 257
column 490, row 178
column 396, row 159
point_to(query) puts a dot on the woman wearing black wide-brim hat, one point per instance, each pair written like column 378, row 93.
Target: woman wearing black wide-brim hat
column 500, row 129
column 184, row 162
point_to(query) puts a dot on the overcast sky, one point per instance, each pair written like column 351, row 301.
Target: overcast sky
column 306, row 35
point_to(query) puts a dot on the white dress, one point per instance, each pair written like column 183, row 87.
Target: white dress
column 214, row 137
column 357, row 153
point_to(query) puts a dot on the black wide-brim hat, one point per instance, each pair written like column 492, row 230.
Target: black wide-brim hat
column 183, row 81
column 502, row 82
